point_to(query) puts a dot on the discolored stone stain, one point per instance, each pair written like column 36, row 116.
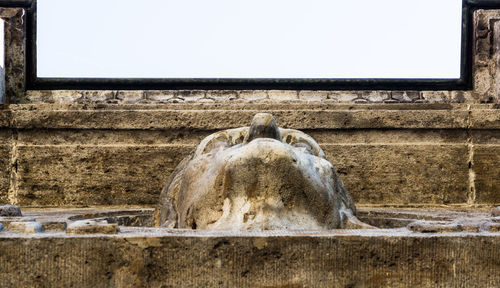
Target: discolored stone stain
column 260, row 243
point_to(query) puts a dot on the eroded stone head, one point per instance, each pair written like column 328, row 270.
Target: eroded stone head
column 256, row 178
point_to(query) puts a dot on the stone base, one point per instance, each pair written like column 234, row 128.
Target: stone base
column 296, row 259
column 144, row 256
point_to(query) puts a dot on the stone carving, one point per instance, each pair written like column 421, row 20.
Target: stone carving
column 256, row 178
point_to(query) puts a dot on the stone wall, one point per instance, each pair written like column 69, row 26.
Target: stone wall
column 424, row 154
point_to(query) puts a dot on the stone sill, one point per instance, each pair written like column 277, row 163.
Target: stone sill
column 265, row 259
column 211, row 116
column 260, row 261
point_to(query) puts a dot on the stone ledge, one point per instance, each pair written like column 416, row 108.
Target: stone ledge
column 272, row 259
column 485, row 119
column 246, row 96
column 217, row 119
column 223, row 117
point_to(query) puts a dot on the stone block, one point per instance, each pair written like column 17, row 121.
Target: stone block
column 232, row 260
column 5, row 118
column 221, row 95
column 496, row 212
column 25, row 227
column 159, row 96
column 98, row 95
column 224, row 119
column 10, row 211
column 79, row 175
column 110, row 137
column 92, row 227
column 54, row 225
column 485, row 119
column 389, row 136
column 494, row 228
column 189, row 95
column 253, row 95
column 313, row 95
column 129, row 96
column 283, row 95
column 441, row 227
column 342, row 96
column 134, row 175
column 5, row 221
column 65, row 96
column 402, row 174
column 436, row 96
column 5, row 170
column 487, row 173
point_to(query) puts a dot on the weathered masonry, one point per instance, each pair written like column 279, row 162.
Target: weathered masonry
column 395, row 145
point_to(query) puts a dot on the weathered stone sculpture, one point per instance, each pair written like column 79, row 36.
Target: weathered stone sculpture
column 256, row 178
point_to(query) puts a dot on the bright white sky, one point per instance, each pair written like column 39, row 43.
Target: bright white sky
column 249, row 38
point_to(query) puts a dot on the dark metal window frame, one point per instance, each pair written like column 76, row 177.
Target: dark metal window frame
column 463, row 83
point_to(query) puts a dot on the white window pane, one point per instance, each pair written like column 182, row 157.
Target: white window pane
column 249, row 38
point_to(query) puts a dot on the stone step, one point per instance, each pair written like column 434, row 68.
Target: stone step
column 265, row 259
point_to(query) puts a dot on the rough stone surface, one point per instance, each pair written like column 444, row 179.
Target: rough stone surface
column 54, row 225
column 113, row 174
column 400, row 154
column 472, row 225
column 329, row 259
column 485, row 118
column 26, row 227
column 14, row 20
column 487, row 179
column 338, row 117
column 160, row 257
column 262, row 96
column 256, row 178
column 402, row 174
column 7, row 220
column 10, row 211
column 486, row 76
column 496, row 212
column 92, row 227
column 494, row 228
column 5, row 165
